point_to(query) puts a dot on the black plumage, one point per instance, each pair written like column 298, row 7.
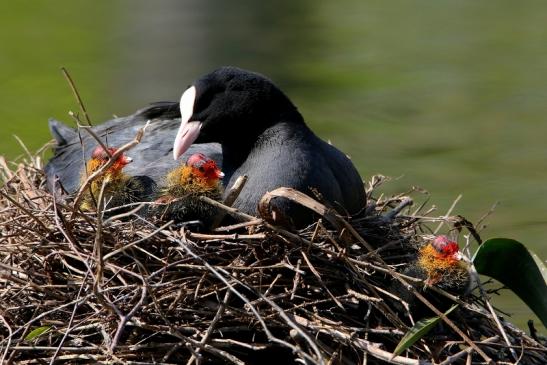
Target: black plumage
column 265, row 137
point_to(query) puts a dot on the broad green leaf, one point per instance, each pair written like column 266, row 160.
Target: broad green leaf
column 513, row 265
column 419, row 330
column 37, row 332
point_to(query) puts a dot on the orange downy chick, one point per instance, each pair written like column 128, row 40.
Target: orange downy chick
column 118, row 187
column 440, row 263
column 200, row 175
column 443, row 264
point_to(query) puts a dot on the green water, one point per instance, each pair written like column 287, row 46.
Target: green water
column 450, row 96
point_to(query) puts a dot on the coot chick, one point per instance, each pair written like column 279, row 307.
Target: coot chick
column 439, row 263
column 179, row 198
column 263, row 136
column 153, row 155
column 119, row 188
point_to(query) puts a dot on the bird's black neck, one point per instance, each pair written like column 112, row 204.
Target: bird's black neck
column 235, row 151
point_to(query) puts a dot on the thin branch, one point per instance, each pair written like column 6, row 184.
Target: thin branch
column 27, row 212
column 209, row 332
column 448, row 213
column 76, row 94
column 231, row 197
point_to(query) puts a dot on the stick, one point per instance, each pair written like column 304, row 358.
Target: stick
column 235, row 236
column 238, row 225
column 371, row 348
column 402, row 205
column 496, row 319
column 92, row 133
column 448, row 213
column 76, row 94
column 27, row 212
column 264, row 205
column 231, row 211
column 231, row 197
column 218, row 316
column 318, row 276
column 468, row 350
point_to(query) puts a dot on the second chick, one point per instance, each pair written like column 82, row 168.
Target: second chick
column 179, row 198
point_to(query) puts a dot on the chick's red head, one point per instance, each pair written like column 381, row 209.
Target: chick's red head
column 445, row 247
column 204, row 167
column 99, row 154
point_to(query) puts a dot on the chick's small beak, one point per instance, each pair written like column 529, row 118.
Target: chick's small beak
column 220, row 174
column 188, row 130
column 127, row 159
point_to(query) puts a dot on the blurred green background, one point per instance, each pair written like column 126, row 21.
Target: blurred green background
column 450, row 96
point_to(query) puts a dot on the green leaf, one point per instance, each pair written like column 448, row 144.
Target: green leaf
column 519, row 269
column 419, row 330
column 37, row 332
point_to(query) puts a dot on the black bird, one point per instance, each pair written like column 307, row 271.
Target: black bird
column 152, row 156
column 263, row 135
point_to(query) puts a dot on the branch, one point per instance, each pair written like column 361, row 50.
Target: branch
column 76, row 94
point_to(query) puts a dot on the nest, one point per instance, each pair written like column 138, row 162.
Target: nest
column 88, row 288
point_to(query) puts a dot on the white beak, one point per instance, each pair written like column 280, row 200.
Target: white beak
column 188, row 130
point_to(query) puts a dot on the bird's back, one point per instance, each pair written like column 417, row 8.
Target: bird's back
column 298, row 159
column 152, row 157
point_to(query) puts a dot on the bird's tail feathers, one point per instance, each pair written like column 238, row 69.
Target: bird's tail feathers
column 161, row 109
column 61, row 132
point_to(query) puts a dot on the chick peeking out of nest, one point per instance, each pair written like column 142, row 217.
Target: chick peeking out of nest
column 119, row 188
column 438, row 263
column 444, row 265
column 179, row 199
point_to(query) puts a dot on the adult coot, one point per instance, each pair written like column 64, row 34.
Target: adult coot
column 263, row 136
column 152, row 157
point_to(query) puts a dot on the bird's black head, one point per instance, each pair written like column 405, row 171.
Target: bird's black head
column 231, row 104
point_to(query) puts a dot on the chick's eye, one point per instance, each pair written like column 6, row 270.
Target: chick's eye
column 201, row 169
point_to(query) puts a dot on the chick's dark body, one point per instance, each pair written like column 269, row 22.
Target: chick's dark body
column 187, row 206
column 179, row 200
